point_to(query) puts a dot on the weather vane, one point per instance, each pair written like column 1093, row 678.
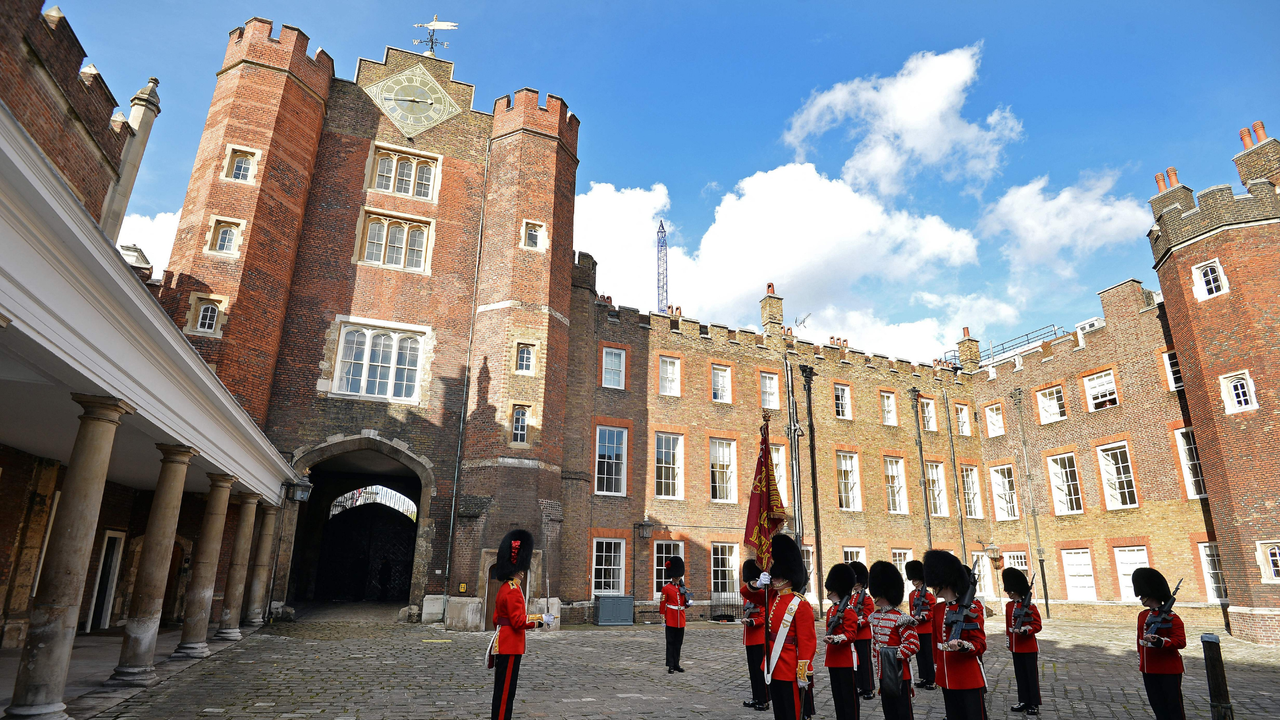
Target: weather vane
column 431, row 42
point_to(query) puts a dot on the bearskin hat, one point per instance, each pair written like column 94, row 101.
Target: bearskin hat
column 859, row 573
column 515, row 553
column 915, row 570
column 840, row 579
column 1148, row 582
column 1015, row 581
column 788, row 563
column 942, row 569
column 751, row 571
column 885, row 582
column 675, row 567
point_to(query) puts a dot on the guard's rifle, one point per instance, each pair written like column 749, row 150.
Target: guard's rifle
column 917, row 606
column 959, row 619
column 1022, row 611
column 684, row 591
column 838, row 618
column 1163, row 616
column 857, row 604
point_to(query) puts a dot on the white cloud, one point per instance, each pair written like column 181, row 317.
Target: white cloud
column 919, row 340
column 1047, row 235
column 909, row 121
column 154, row 235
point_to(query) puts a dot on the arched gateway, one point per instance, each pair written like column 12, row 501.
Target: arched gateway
column 392, row 551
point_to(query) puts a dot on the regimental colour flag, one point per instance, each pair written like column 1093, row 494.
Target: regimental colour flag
column 765, row 514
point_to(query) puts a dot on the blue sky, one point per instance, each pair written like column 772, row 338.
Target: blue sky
column 899, row 171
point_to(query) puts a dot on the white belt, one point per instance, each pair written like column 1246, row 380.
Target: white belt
column 676, row 607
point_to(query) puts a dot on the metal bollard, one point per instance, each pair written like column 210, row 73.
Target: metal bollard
column 1219, row 698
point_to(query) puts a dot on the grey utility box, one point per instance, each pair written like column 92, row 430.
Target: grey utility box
column 615, row 610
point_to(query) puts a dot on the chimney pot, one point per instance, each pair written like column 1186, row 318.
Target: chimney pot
column 1246, row 137
column 768, row 290
column 966, row 332
column 1173, row 177
column 1160, row 182
column 1260, row 131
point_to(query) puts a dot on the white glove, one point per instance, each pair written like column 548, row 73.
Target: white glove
column 764, row 579
column 548, row 618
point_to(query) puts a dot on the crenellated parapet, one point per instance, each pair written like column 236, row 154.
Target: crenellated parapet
column 1182, row 215
column 525, row 113
column 252, row 43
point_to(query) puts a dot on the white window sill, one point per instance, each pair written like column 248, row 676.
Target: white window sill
column 899, row 512
column 1052, row 420
column 667, row 497
column 612, row 387
column 1193, row 496
column 1105, row 407
column 1008, row 519
column 223, row 254
column 527, row 373
column 408, row 196
column 372, row 398
column 932, row 515
column 996, row 435
column 725, row 502
column 611, row 494
column 1122, row 507
column 722, row 402
column 520, row 445
column 246, row 181
column 397, row 268
column 889, row 424
column 1237, row 411
column 670, row 395
column 768, row 407
column 1070, row 512
column 843, row 417
column 972, row 517
column 851, row 510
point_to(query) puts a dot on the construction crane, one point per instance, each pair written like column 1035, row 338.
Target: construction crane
column 662, row 267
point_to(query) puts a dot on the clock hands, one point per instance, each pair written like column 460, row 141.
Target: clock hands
column 405, row 99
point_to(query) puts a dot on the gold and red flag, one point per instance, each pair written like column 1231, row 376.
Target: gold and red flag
column 765, row 513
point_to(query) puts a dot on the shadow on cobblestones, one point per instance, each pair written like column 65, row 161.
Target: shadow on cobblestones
column 347, row 670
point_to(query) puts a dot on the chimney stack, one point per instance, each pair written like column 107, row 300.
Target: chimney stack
column 1160, row 182
column 1260, row 131
column 1246, row 137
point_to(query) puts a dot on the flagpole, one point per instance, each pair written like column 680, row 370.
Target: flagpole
column 768, row 606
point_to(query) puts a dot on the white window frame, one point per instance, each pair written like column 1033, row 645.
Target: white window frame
column 1210, row 554
column 1114, row 484
column 1060, row 479
column 408, row 226
column 1198, row 288
column 533, row 358
column 935, row 484
column 218, row 223
column 1095, row 391
column 1004, row 488
column 678, row 458
column 848, row 481
column 1229, row 402
column 621, row 370
column 963, row 425
column 899, row 557
column 1129, row 558
column 1017, row 559
column 1079, row 591
column 521, row 420
column 843, row 402
column 723, row 445
column 780, row 469
column 233, row 152
column 851, row 554
column 1051, row 399
column 207, row 322
column 994, row 420
column 1189, row 458
column 622, row 461
column 337, row 388
column 668, row 376
column 725, row 389
column 730, row 584
column 895, row 486
column 539, row 229
column 659, row 564
column 888, row 408
column 416, row 161
column 928, row 415
column 769, row 400
column 1268, row 557
column 971, row 487
column 1172, row 370
column 596, row 567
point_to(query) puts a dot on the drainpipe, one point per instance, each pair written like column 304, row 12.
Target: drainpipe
column 1016, row 396
column 924, row 488
column 955, row 474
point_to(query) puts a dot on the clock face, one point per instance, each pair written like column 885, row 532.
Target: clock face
column 413, row 100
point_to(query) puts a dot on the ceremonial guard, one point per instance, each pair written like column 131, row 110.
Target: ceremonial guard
column 506, row 648
column 958, row 635
column 842, row 628
column 675, row 598
column 896, row 641
column 864, row 606
column 1160, row 637
column 1021, row 623
column 792, row 639
column 920, row 607
column 753, row 599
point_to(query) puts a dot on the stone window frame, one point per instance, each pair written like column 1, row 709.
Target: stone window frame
column 544, row 237
column 195, row 303
column 215, row 225
column 397, row 154
column 330, row 366
column 370, row 215
column 533, row 427
column 531, row 343
column 1226, row 385
column 1263, row 554
column 229, row 155
column 1198, row 289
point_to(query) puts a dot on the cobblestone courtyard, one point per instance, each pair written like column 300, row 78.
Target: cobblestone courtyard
column 328, row 666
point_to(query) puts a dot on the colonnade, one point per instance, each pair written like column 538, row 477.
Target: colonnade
column 46, row 653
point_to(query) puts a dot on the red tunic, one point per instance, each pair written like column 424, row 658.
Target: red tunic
column 1018, row 642
column 959, row 669
column 753, row 615
column 510, row 617
column 888, row 633
column 864, row 615
column 1164, row 660
column 840, row 654
column 673, row 605
column 923, row 618
column 801, row 641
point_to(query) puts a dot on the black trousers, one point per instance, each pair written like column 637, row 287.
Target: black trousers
column 506, row 673
column 864, row 672
column 1027, row 672
column 675, row 640
column 898, row 708
column 788, row 700
column 965, row 704
column 924, row 659
column 844, row 694
column 1164, row 691
column 755, row 666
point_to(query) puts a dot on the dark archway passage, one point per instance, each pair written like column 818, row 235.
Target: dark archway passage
column 366, row 553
